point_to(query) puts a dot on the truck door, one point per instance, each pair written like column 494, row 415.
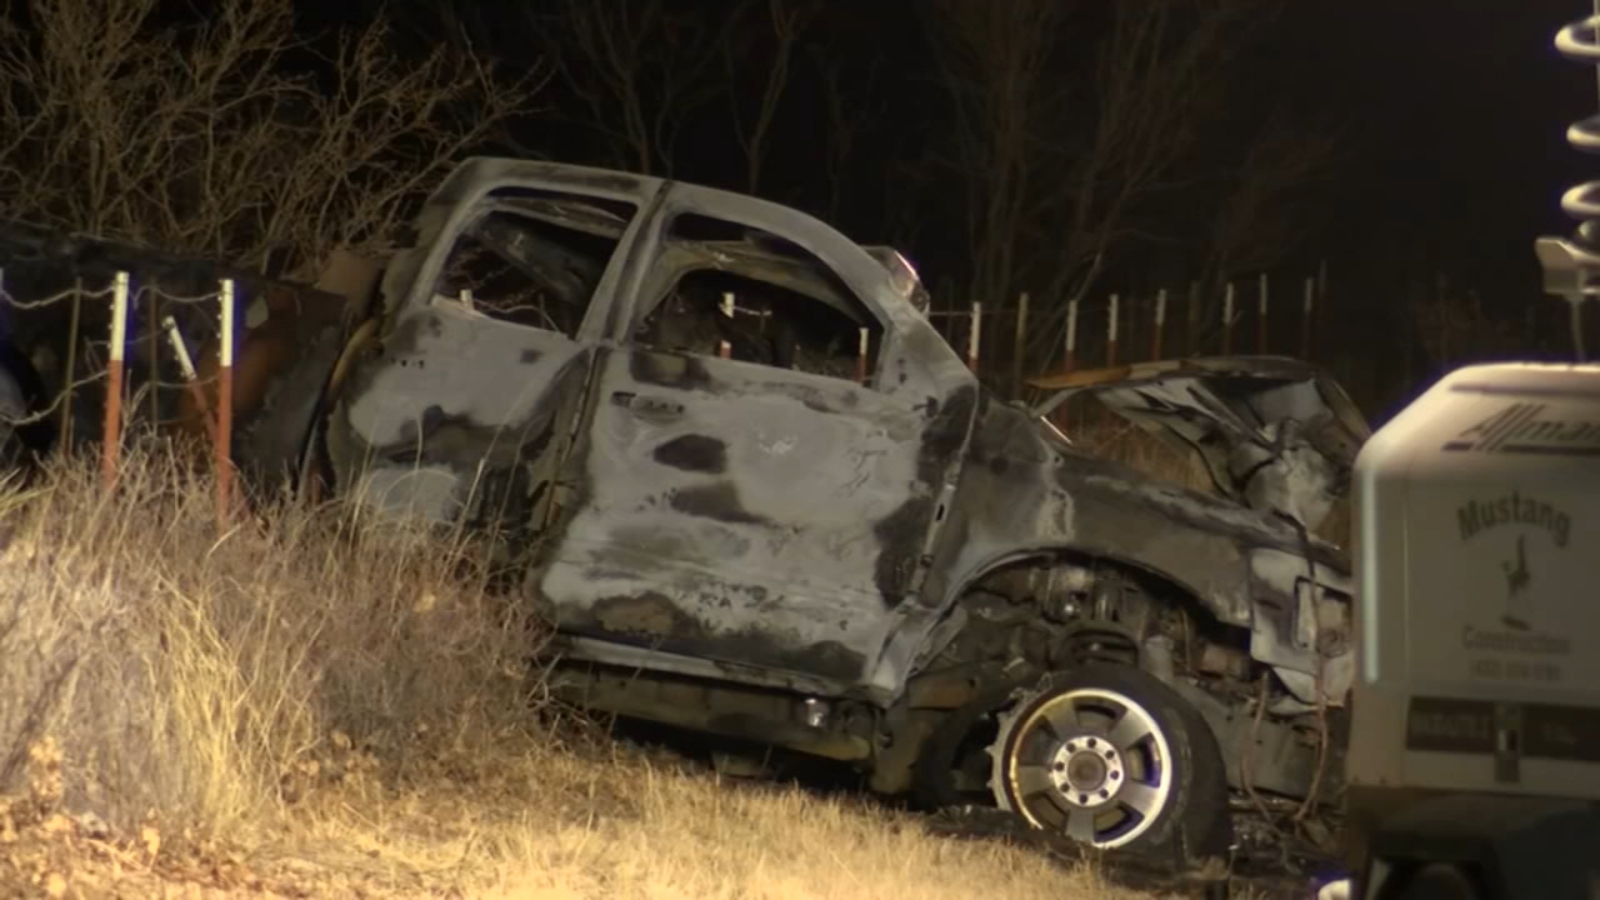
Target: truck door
column 747, row 496
column 465, row 410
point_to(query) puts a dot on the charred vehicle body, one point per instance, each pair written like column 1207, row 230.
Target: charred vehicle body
column 761, row 498
column 654, row 387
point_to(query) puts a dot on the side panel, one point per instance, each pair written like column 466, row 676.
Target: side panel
column 740, row 513
column 749, row 512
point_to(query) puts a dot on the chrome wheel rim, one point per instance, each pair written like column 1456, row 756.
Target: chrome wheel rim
column 1090, row 763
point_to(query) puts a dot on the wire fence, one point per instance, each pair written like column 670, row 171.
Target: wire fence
column 117, row 364
column 117, row 349
column 1005, row 346
column 1383, row 341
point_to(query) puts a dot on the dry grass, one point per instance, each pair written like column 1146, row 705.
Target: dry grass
column 1113, row 438
column 1102, row 434
column 327, row 707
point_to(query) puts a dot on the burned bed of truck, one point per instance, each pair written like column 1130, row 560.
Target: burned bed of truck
column 722, row 449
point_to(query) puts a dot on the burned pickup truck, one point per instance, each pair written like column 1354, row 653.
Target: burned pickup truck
column 760, row 497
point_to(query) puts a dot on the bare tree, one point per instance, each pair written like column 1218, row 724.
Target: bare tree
column 1157, row 83
column 210, row 139
column 787, row 21
column 849, row 110
column 637, row 68
column 1262, row 215
column 993, row 57
column 1071, row 160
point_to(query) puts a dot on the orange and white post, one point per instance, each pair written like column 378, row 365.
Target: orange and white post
column 725, row 348
column 1111, row 333
column 111, row 446
column 1072, row 335
column 975, row 336
column 191, row 378
column 1305, row 318
column 1261, row 317
column 1227, row 320
column 223, row 445
column 1161, row 324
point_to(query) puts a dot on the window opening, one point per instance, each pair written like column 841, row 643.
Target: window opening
column 533, row 258
column 746, row 295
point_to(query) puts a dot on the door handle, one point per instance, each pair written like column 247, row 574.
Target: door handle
column 646, row 406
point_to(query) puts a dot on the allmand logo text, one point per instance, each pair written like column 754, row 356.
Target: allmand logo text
column 1528, row 428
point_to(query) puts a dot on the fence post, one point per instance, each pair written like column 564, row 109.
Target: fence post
column 111, row 445
column 975, row 335
column 1161, row 320
column 1227, row 320
column 191, row 379
column 1019, row 345
column 1305, row 318
column 1442, row 282
column 1111, row 334
column 73, row 329
column 224, row 442
column 1072, row 335
column 861, row 355
column 153, row 347
column 1192, row 319
column 1261, row 322
column 726, row 307
column 1322, row 292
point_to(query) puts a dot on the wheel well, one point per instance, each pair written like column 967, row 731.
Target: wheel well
column 1078, row 591
column 1057, row 610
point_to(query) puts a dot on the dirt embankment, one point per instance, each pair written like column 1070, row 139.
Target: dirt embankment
column 326, row 707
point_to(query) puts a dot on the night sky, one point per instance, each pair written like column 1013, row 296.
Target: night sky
column 1460, row 105
column 1453, row 160
column 1459, row 108
column 1467, row 104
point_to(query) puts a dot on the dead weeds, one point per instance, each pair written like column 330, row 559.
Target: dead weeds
column 315, row 704
column 1098, row 432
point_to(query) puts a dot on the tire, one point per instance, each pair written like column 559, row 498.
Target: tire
column 1152, row 767
column 964, row 733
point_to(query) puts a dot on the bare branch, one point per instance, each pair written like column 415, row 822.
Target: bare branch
column 208, row 139
column 787, row 20
column 993, row 56
column 1157, row 80
column 844, row 126
column 637, row 67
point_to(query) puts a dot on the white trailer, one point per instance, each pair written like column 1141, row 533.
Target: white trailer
column 1476, row 705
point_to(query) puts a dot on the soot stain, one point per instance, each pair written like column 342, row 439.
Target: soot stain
column 718, row 501
column 694, row 453
column 900, row 534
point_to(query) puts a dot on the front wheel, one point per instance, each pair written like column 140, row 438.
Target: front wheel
column 1111, row 757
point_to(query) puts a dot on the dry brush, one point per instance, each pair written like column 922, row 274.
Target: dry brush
column 319, row 702
column 235, row 137
column 203, row 676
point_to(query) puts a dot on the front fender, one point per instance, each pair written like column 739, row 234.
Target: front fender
column 1022, row 496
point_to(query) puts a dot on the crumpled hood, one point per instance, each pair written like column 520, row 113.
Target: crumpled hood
column 1278, row 435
